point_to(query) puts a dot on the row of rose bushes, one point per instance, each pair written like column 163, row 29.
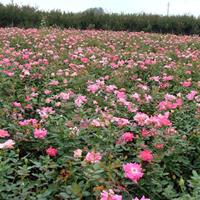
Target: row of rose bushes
column 99, row 115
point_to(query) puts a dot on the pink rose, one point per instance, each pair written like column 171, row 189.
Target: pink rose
column 93, row 157
column 51, row 151
column 146, row 155
column 77, row 153
column 40, row 133
column 4, row 133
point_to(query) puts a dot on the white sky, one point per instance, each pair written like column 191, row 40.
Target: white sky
column 191, row 7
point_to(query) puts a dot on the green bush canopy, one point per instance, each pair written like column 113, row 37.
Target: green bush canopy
column 96, row 18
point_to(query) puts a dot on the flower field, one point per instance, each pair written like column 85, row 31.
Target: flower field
column 99, row 115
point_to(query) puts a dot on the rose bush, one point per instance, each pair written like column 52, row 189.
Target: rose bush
column 99, row 115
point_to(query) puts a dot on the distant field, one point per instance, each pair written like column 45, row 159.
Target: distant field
column 99, row 115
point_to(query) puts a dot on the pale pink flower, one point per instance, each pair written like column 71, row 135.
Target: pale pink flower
column 92, row 88
column 164, row 105
column 25, row 72
column 8, row 73
column 44, row 112
column 110, row 195
column 28, row 122
column 65, row 95
column 120, row 94
column 47, row 92
column 186, row 83
column 136, row 96
column 167, row 78
column 191, row 95
column 96, row 123
column 155, row 78
column 77, row 153
column 141, row 118
column 169, row 97
column 54, row 82
column 17, row 105
column 80, row 100
column 121, row 122
column 40, row 133
column 4, row 133
column 110, row 88
column 133, row 171
column 34, row 94
column 114, row 65
column 188, row 72
column 179, row 102
column 148, row 98
column 58, row 104
column 7, row 145
column 143, row 87
column 93, row 157
column 48, row 100
column 170, row 131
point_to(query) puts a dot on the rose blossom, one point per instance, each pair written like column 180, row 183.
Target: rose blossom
column 51, row 151
column 191, row 95
column 126, row 137
column 80, row 100
column 93, row 157
column 7, row 145
column 141, row 118
column 77, row 153
column 146, row 155
column 4, row 133
column 84, row 60
column 40, row 133
column 133, row 171
column 110, row 195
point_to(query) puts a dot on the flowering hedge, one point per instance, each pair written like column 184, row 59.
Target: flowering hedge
column 99, row 115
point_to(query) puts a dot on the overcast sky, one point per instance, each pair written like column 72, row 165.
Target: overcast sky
column 191, row 7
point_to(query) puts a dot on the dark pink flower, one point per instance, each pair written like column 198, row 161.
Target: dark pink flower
column 84, row 60
column 51, row 151
column 126, row 137
column 146, row 155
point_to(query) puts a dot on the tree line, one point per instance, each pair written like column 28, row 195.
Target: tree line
column 31, row 17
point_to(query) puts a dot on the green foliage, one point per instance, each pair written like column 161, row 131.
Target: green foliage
column 96, row 18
